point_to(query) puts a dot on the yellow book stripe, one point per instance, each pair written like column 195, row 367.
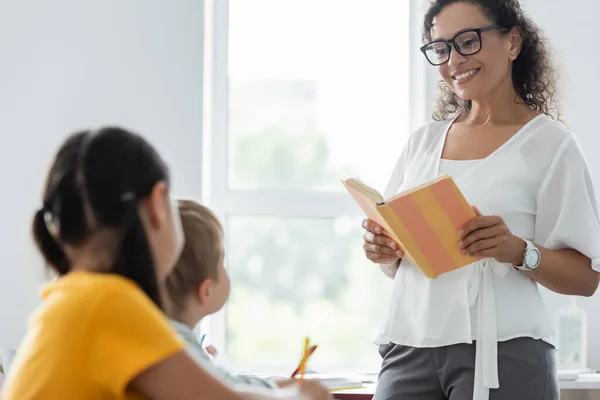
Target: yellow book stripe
column 415, row 254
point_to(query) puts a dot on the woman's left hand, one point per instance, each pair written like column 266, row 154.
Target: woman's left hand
column 488, row 236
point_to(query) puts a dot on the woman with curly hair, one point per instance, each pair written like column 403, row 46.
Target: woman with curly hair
column 482, row 331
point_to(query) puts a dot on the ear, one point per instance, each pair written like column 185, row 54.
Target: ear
column 515, row 43
column 156, row 205
column 204, row 291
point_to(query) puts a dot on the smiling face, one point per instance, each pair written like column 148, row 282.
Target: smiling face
column 476, row 76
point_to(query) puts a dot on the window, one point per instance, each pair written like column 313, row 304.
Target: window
column 302, row 93
column 296, row 276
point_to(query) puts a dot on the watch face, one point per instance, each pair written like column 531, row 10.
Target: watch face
column 532, row 258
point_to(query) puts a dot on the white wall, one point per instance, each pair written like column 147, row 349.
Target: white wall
column 71, row 64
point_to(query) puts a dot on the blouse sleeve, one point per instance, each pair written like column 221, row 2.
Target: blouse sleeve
column 394, row 184
column 567, row 212
column 129, row 335
column 397, row 177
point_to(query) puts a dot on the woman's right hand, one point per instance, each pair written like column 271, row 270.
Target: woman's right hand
column 379, row 247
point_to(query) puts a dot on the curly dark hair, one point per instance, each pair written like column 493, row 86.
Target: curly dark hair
column 533, row 73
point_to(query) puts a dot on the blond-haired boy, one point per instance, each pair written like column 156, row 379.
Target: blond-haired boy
column 199, row 284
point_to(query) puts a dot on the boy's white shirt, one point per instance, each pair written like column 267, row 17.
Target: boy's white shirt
column 194, row 348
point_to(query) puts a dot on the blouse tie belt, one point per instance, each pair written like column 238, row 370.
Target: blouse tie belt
column 486, row 344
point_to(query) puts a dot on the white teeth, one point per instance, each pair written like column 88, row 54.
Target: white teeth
column 466, row 74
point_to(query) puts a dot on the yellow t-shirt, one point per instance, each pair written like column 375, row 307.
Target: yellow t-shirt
column 89, row 338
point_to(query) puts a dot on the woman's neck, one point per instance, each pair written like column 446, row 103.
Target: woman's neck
column 502, row 107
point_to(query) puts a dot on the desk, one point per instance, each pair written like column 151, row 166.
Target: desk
column 365, row 393
column 587, row 387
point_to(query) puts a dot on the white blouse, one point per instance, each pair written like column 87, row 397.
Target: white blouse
column 457, row 168
column 540, row 184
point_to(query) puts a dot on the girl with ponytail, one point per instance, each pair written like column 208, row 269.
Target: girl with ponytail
column 108, row 228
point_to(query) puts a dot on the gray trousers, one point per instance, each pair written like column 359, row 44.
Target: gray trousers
column 526, row 371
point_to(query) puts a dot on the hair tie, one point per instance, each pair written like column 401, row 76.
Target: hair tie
column 45, row 206
column 48, row 218
column 127, row 196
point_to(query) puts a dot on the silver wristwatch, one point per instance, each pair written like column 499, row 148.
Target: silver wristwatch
column 531, row 257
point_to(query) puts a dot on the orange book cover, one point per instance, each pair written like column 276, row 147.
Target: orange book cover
column 423, row 220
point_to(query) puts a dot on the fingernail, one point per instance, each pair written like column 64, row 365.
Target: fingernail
column 392, row 244
column 377, row 229
column 463, row 251
column 460, row 232
column 459, row 244
column 399, row 253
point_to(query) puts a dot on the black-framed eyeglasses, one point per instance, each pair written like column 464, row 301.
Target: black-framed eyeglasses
column 466, row 43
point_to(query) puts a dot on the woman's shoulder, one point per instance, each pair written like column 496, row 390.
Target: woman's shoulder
column 556, row 138
column 428, row 134
column 552, row 130
column 433, row 128
column 559, row 144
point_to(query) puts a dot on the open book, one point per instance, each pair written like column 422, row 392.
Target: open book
column 335, row 384
column 423, row 220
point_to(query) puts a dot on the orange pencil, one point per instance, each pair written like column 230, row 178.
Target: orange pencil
column 308, row 351
column 311, row 350
column 304, row 358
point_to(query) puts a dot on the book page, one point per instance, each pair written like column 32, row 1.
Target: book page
column 367, row 201
column 364, row 189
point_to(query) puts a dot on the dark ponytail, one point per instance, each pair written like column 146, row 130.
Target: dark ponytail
column 51, row 251
column 61, row 204
column 134, row 259
column 96, row 182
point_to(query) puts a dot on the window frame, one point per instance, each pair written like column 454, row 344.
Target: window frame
column 299, row 204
